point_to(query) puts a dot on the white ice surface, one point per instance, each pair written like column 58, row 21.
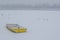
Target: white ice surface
column 41, row 25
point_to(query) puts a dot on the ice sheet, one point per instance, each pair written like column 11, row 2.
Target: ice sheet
column 41, row 25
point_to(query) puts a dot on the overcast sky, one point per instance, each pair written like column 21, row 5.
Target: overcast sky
column 29, row 2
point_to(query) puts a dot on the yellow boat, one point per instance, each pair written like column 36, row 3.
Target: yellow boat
column 15, row 28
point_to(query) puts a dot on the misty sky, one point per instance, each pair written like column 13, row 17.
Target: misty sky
column 29, row 2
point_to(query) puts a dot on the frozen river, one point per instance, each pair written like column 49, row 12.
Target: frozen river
column 41, row 25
